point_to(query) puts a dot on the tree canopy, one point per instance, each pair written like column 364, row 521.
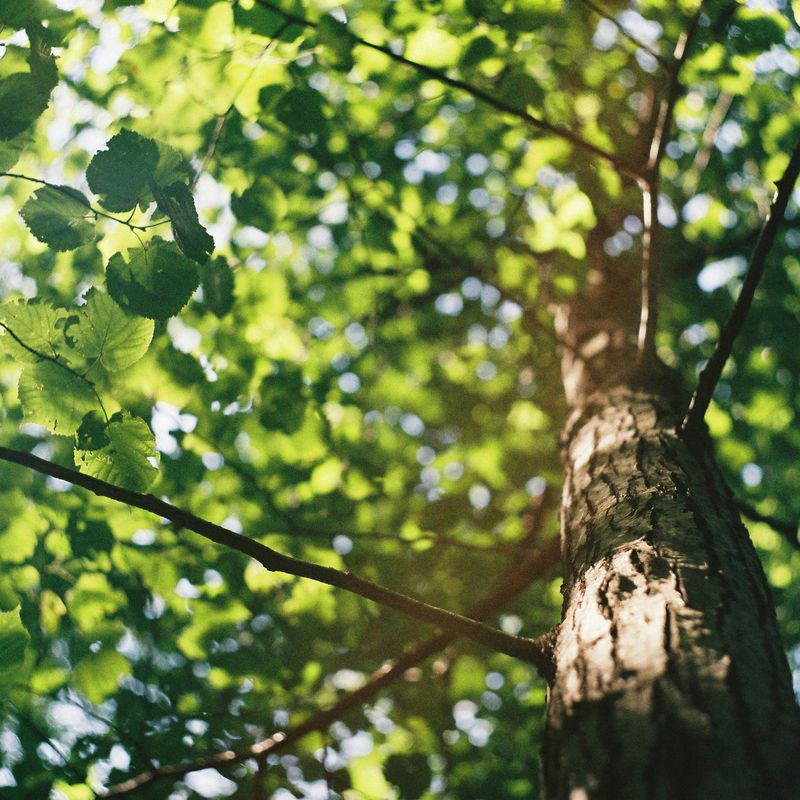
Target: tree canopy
column 280, row 379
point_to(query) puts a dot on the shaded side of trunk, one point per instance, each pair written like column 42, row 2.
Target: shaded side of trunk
column 671, row 681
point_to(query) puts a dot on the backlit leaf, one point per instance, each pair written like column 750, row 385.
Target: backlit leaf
column 155, row 283
column 125, row 459
column 107, row 333
column 54, row 397
column 177, row 203
column 59, row 217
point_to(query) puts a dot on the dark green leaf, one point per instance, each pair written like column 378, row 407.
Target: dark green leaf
column 218, row 286
column 263, row 205
column 22, row 102
column 91, row 435
column 336, row 41
column 60, row 217
column 155, row 283
column 177, row 203
column 121, row 174
column 300, row 110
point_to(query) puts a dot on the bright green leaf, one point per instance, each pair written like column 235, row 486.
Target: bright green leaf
column 263, row 205
column 54, row 397
column 107, row 333
column 98, row 674
column 14, row 640
column 126, row 458
column 33, row 330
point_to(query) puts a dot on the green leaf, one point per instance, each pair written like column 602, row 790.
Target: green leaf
column 218, row 286
column 300, row 110
column 22, row 102
column 125, row 459
column 104, row 331
column 155, row 283
column 32, row 330
column 54, row 397
column 177, row 203
column 91, row 435
column 98, row 674
column 12, row 150
column 263, row 205
column 337, row 42
column 121, row 174
column 14, row 639
column 172, row 166
column 59, row 217
column 17, row 14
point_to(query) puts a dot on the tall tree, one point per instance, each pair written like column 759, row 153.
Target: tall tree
column 309, row 313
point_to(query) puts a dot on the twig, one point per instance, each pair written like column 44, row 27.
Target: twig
column 649, row 184
column 711, row 373
column 703, row 155
column 785, row 529
column 556, row 130
column 65, row 190
column 515, row 646
column 509, row 585
column 601, row 12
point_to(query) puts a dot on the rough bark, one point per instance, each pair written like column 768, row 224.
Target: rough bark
column 670, row 678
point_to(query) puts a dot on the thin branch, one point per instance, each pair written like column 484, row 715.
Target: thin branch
column 515, row 646
column 703, row 155
column 430, row 72
column 785, row 529
column 601, row 12
column 68, row 192
column 509, row 585
column 649, row 184
column 710, row 375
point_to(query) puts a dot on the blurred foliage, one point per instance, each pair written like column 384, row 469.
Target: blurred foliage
column 363, row 375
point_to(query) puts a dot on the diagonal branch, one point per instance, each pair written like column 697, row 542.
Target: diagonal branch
column 510, row 584
column 515, row 646
column 561, row 132
column 785, row 529
column 709, row 377
column 601, row 12
column 649, row 184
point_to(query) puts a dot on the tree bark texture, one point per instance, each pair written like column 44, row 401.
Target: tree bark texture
column 670, row 678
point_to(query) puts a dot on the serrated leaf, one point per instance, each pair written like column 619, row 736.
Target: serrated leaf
column 29, row 331
column 263, row 205
column 177, row 203
column 156, row 283
column 14, row 639
column 218, row 286
column 120, row 175
column 22, row 102
column 106, row 332
column 300, row 110
column 54, row 397
column 59, row 217
column 125, row 459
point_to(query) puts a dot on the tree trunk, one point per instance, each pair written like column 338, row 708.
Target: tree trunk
column 670, row 678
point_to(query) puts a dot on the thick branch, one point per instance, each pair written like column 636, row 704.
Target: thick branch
column 712, row 371
column 485, row 97
column 509, row 585
column 515, row 646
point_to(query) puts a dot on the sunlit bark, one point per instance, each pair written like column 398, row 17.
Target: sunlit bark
column 670, row 680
